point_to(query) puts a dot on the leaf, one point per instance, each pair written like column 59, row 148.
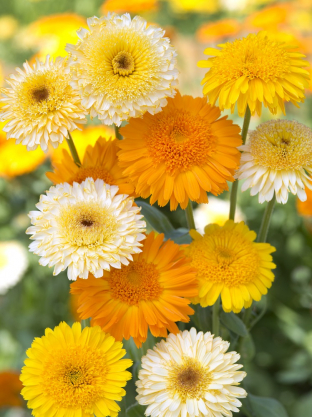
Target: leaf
column 179, row 236
column 155, row 218
column 136, row 410
column 232, row 322
column 266, row 407
column 248, row 349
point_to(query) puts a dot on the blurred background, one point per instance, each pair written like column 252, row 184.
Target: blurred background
column 31, row 299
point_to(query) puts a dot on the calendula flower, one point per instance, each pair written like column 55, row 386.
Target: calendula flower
column 230, row 263
column 13, row 264
column 99, row 161
column 214, row 31
column 122, row 68
column 270, row 17
column 75, row 372
column 151, row 292
column 180, row 153
column 253, row 71
column 190, row 374
column 198, row 6
column 86, row 228
column 135, row 6
column 40, row 107
column 277, row 159
column 10, row 389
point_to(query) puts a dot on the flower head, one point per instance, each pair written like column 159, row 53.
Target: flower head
column 40, row 106
column 135, row 6
column 10, row 389
column 190, row 374
column 75, row 372
column 122, row 68
column 230, row 263
column 253, row 71
column 13, row 264
column 277, row 158
column 180, row 153
column 151, row 292
column 86, row 228
column 214, row 31
column 99, row 161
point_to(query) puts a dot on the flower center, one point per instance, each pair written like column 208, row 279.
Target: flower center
column 136, row 282
column 282, row 144
column 123, row 63
column 74, row 376
column 180, row 140
column 189, row 380
column 96, row 172
column 86, row 224
column 40, row 94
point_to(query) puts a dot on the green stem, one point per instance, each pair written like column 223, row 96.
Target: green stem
column 264, row 228
column 247, row 316
column 189, row 216
column 233, row 196
column 117, row 133
column 215, row 317
column 73, row 150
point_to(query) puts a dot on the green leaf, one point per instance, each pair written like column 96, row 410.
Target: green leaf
column 248, row 349
column 179, row 236
column 266, row 407
column 155, row 218
column 136, row 410
column 232, row 322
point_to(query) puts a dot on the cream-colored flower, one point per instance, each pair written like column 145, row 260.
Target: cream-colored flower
column 122, row 68
column 277, row 158
column 188, row 375
column 40, row 107
column 86, row 228
column 13, row 264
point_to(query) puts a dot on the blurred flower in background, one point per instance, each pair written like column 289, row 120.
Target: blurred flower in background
column 212, row 32
column 13, row 264
column 133, row 6
column 198, row 6
column 10, row 388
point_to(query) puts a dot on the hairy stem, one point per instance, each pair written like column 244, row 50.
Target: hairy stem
column 189, row 216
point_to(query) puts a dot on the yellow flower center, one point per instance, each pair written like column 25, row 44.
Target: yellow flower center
column 73, row 377
column 180, row 140
column 189, row 380
column 123, row 63
column 96, row 172
column 136, row 282
column 225, row 256
column 282, row 144
column 86, row 224
column 253, row 57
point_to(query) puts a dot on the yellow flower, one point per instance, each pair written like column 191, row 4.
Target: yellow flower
column 8, row 26
column 122, row 68
column 180, row 153
column 253, row 71
column 40, row 107
column 277, row 159
column 10, row 390
column 211, row 32
column 99, row 161
column 270, row 17
column 230, row 263
column 74, row 372
column 198, row 6
column 133, row 6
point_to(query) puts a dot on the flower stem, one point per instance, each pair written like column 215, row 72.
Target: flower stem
column 215, row 318
column 189, row 216
column 264, row 228
column 85, row 323
column 117, row 133
column 73, row 150
column 233, row 196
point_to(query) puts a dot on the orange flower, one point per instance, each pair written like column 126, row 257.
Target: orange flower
column 133, row 6
column 99, row 161
column 305, row 207
column 10, row 388
column 180, row 153
column 152, row 292
column 270, row 17
column 211, row 32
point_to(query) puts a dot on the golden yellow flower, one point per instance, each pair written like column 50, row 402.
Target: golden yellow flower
column 99, row 161
column 254, row 71
column 198, row 6
column 211, row 32
column 122, row 68
column 75, row 372
column 40, row 107
column 133, row 6
column 10, row 389
column 180, row 153
column 230, row 263
column 269, row 18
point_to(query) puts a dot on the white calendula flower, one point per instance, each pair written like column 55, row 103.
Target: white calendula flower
column 86, row 228
column 190, row 375
column 13, row 264
column 122, row 68
column 40, row 106
column 277, row 158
